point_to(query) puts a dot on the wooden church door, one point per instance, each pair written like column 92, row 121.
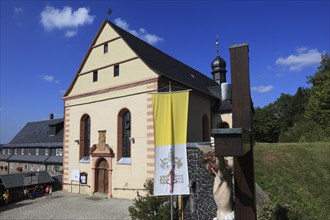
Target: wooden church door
column 102, row 177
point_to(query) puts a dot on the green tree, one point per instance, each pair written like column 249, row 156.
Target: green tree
column 283, row 111
column 298, row 127
column 266, row 124
column 299, row 102
column 304, row 116
column 318, row 106
column 151, row 207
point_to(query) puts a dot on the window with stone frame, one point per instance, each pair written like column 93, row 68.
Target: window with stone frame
column 85, row 133
column 124, row 134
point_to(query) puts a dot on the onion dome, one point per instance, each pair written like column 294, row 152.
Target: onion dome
column 218, row 66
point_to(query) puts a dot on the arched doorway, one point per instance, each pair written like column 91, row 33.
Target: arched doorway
column 101, row 176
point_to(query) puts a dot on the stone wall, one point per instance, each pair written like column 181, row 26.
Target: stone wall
column 200, row 203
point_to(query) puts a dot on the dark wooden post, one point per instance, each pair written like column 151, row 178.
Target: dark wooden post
column 242, row 110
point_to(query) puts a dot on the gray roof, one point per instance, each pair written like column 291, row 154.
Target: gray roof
column 54, row 160
column 166, row 65
column 35, row 145
column 37, row 134
column 28, row 158
column 22, row 179
column 4, row 156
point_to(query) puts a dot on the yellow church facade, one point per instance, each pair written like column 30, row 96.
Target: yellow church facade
column 108, row 123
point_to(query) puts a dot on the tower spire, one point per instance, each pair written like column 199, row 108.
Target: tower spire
column 218, row 66
column 217, row 44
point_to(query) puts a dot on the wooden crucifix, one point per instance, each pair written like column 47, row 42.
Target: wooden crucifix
column 239, row 140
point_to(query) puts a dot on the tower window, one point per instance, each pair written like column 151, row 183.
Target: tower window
column 95, row 76
column 116, row 70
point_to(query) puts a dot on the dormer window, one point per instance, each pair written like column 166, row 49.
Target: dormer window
column 8, row 151
column 53, row 129
column 37, row 151
column 46, row 152
column 22, row 151
column 59, row 152
column 105, row 48
column 16, row 150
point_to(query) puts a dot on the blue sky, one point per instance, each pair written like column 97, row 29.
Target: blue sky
column 44, row 42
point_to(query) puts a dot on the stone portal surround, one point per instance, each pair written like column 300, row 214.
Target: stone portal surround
column 98, row 152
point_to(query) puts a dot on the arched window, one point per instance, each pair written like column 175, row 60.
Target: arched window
column 206, row 130
column 85, row 134
column 124, row 133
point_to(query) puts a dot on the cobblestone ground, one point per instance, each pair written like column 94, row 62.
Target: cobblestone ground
column 65, row 205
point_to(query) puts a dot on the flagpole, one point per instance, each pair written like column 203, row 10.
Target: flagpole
column 172, row 168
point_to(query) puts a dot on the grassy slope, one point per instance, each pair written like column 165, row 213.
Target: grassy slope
column 297, row 174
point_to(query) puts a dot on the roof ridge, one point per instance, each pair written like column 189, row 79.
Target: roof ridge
column 55, row 119
column 147, row 53
column 160, row 51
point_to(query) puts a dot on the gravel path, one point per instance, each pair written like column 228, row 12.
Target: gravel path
column 65, row 205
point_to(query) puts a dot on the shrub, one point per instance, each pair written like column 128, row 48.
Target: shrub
column 150, row 207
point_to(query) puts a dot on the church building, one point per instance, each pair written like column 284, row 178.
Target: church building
column 108, row 144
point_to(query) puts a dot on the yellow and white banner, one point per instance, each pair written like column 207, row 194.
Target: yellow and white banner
column 170, row 111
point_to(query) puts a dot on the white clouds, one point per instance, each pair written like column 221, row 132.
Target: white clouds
column 262, row 89
column 18, row 10
column 49, row 78
column 141, row 33
column 121, row 23
column 67, row 19
column 70, row 33
column 303, row 57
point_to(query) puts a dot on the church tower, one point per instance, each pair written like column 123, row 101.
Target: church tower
column 218, row 66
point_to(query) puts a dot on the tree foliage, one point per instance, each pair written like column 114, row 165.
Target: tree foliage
column 266, row 124
column 304, row 116
column 318, row 106
column 150, row 207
